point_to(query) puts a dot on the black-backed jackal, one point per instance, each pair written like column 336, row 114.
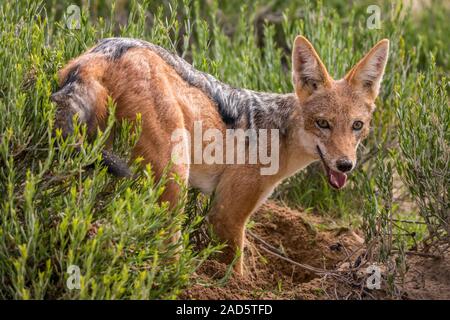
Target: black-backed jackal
column 324, row 120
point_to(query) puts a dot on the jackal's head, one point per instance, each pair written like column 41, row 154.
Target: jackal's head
column 335, row 114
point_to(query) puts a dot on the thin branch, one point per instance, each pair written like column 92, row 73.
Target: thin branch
column 274, row 251
column 409, row 221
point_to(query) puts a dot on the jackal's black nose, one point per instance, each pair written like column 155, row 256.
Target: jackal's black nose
column 344, row 165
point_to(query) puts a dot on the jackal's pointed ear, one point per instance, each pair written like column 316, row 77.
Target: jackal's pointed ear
column 308, row 72
column 367, row 74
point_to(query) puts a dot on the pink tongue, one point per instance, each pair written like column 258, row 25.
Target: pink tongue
column 337, row 179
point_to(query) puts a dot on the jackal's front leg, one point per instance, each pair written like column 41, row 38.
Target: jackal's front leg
column 235, row 199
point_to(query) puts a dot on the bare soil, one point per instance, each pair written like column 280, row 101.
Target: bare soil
column 312, row 240
column 304, row 239
column 428, row 279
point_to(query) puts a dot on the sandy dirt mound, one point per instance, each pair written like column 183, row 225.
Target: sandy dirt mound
column 303, row 238
column 312, row 240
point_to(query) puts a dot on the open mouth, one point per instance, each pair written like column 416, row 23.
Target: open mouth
column 335, row 178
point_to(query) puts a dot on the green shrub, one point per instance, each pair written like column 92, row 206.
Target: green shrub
column 424, row 156
column 55, row 212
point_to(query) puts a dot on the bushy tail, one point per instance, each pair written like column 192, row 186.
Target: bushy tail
column 87, row 99
column 116, row 166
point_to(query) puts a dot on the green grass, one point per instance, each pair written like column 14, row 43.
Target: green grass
column 56, row 213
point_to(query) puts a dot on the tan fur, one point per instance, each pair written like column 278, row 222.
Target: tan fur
column 141, row 82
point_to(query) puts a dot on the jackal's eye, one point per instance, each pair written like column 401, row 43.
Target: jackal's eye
column 323, row 124
column 357, row 125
